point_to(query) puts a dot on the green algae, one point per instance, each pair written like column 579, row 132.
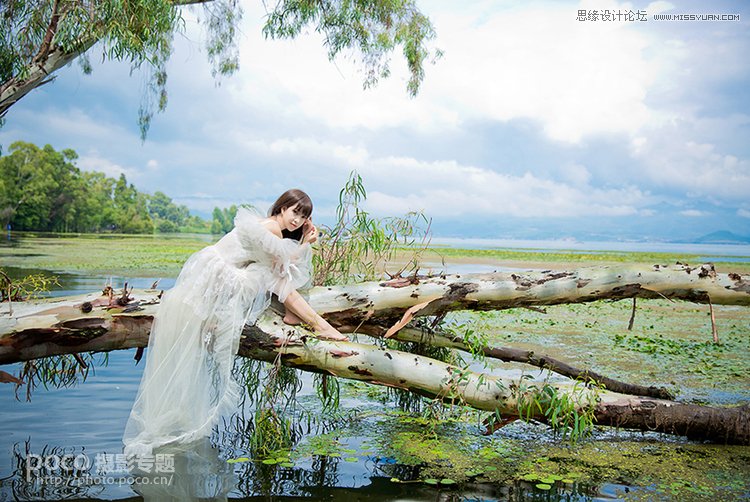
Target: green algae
column 670, row 345
column 533, row 255
column 129, row 255
column 649, row 468
column 641, row 466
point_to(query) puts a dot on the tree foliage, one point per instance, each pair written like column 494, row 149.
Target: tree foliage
column 358, row 246
column 223, row 220
column 371, row 28
column 41, row 189
column 38, row 37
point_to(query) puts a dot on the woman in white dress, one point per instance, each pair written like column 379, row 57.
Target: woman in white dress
column 187, row 383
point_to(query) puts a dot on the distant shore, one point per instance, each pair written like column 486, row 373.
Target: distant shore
column 164, row 255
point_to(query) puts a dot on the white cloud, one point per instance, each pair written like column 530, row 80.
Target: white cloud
column 743, row 213
column 658, row 7
column 693, row 213
column 490, row 194
column 576, row 79
column 576, row 174
column 446, row 188
column 94, row 161
column 696, row 168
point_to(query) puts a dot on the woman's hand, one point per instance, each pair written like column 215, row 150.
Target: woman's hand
column 309, row 232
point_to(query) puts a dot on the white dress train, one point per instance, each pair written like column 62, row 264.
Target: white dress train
column 187, row 383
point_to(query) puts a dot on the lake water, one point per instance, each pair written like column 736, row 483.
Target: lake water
column 86, row 421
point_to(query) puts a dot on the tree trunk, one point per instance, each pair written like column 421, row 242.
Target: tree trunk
column 40, row 73
column 270, row 340
column 61, row 326
column 385, row 303
column 95, row 323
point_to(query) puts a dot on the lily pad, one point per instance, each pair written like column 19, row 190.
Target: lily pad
column 236, row 460
column 431, row 481
column 352, row 459
column 543, row 486
column 447, row 481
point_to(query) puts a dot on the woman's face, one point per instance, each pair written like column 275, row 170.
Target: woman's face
column 292, row 217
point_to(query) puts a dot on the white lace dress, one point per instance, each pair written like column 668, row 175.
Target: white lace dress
column 187, row 383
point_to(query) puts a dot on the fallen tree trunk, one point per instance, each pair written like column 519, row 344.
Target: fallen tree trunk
column 508, row 354
column 270, row 340
column 383, row 304
column 94, row 323
column 59, row 329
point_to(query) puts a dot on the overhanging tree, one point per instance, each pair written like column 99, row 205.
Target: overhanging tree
column 38, row 37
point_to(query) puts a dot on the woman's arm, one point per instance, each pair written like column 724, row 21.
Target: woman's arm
column 294, row 301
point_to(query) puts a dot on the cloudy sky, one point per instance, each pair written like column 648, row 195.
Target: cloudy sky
column 533, row 124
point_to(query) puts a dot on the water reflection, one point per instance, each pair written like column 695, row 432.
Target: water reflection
column 73, row 284
column 199, row 474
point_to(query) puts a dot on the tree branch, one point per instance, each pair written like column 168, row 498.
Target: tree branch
column 44, row 48
column 530, row 357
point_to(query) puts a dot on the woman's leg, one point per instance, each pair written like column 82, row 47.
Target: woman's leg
column 291, row 318
column 300, row 308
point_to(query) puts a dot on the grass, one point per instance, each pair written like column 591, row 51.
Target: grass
column 537, row 258
column 129, row 255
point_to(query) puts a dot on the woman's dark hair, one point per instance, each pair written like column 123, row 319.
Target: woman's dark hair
column 291, row 198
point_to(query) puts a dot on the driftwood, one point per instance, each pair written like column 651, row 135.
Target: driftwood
column 95, row 323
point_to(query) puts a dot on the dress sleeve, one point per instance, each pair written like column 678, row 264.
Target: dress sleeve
column 290, row 261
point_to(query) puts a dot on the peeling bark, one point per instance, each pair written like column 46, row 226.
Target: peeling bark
column 349, row 306
column 61, row 326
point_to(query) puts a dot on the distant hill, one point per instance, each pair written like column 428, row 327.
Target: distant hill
column 723, row 237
